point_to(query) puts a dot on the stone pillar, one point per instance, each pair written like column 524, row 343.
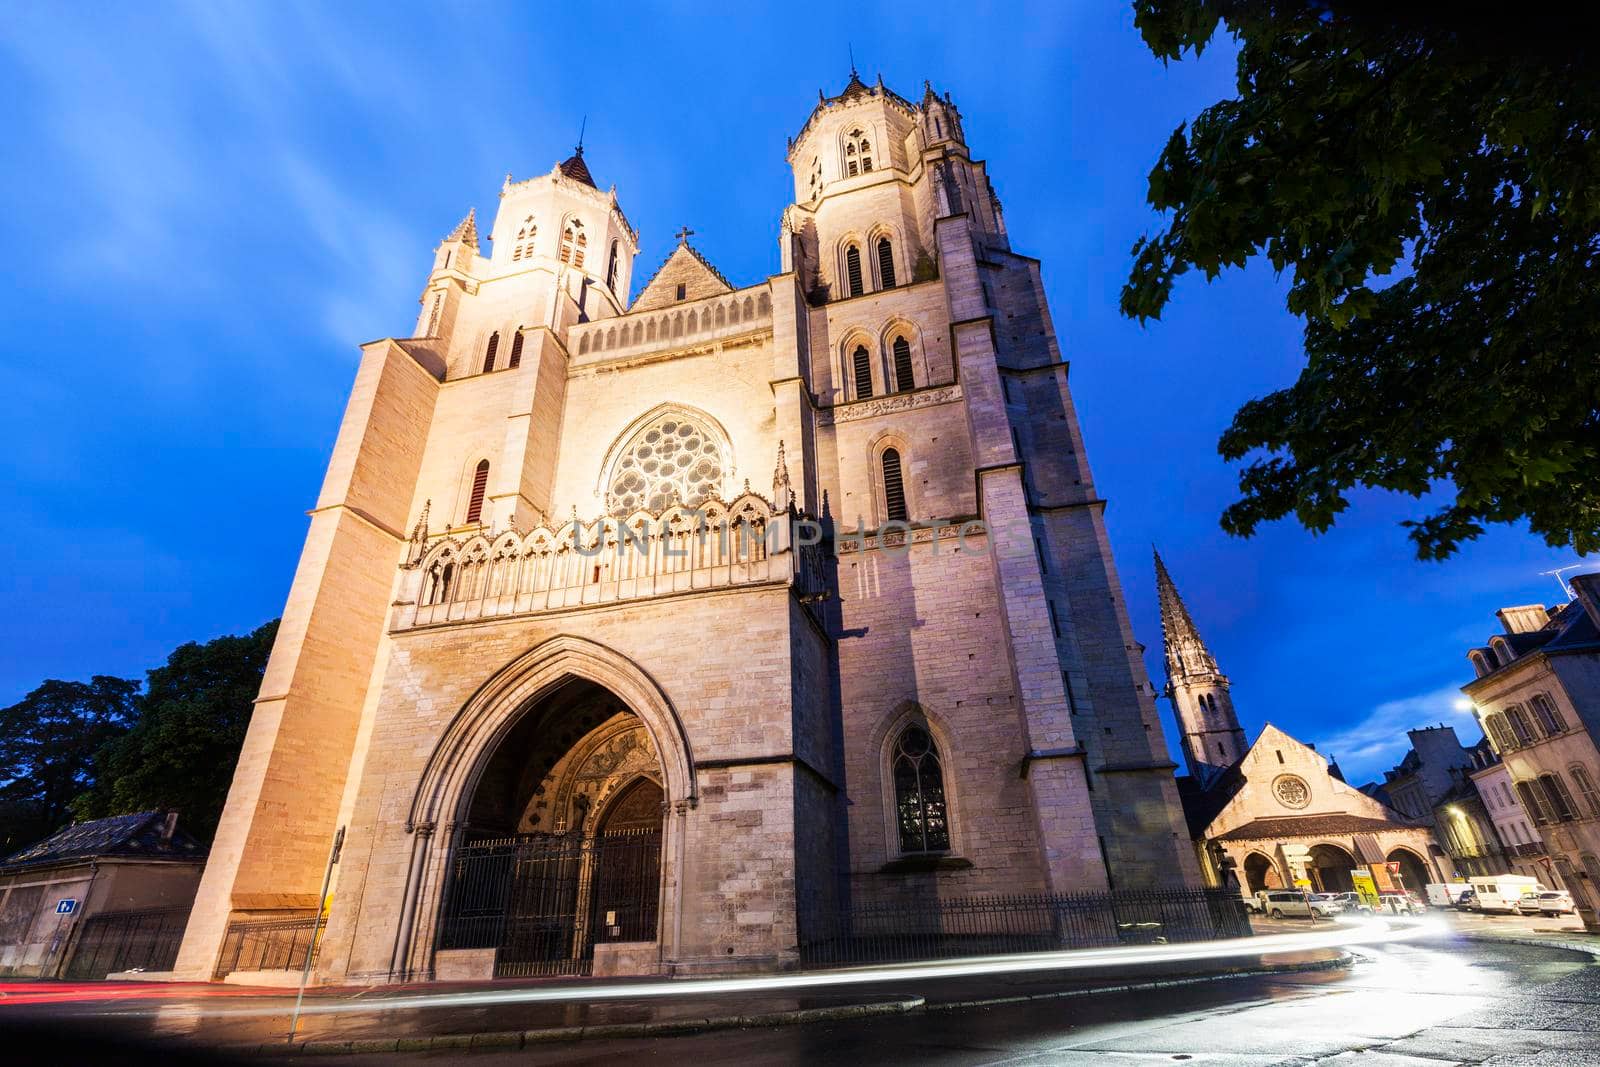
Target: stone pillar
column 283, row 806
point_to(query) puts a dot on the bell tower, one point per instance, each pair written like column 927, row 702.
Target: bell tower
column 1212, row 738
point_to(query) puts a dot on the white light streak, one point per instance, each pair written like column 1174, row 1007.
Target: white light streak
column 1339, row 935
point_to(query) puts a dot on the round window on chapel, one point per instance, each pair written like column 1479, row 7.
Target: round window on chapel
column 1291, row 791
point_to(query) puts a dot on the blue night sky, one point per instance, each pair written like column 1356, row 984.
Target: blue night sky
column 210, row 205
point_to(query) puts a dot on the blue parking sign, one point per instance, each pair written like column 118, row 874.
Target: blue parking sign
column 66, row 906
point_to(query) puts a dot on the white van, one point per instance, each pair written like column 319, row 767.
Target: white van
column 1445, row 894
column 1501, row 892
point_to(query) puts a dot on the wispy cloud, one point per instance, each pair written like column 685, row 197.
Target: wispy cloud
column 1377, row 741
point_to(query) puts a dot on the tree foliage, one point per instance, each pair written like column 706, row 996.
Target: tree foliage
column 192, row 718
column 48, row 742
column 1433, row 192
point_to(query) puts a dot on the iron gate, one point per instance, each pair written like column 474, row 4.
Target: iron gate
column 544, row 900
column 126, row 941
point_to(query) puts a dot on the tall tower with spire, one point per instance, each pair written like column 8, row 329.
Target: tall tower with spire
column 1197, row 688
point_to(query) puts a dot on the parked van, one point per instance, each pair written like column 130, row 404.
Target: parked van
column 1502, row 892
column 1446, row 894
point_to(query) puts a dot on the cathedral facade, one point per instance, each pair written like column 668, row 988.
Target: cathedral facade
column 645, row 635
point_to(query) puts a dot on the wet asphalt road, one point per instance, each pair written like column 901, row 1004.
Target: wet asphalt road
column 1423, row 1004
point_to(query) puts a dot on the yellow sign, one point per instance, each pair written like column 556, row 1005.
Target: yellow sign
column 1365, row 887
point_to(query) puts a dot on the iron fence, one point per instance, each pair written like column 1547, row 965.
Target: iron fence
column 544, row 900
column 919, row 926
column 126, row 941
column 269, row 945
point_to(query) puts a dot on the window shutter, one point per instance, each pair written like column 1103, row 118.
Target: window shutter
column 886, row 262
column 903, row 379
column 852, row 268
column 863, row 372
column 516, row 351
column 894, row 489
column 488, row 357
column 480, row 483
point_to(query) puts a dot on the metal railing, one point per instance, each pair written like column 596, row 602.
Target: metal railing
column 917, row 926
column 270, row 945
column 126, row 941
column 544, row 900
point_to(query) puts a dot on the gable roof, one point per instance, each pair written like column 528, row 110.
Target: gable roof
column 686, row 267
column 128, row 836
column 1289, row 826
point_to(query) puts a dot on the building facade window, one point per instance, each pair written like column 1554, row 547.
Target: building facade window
column 885, row 263
column 919, row 799
column 488, row 355
column 674, row 459
column 894, row 488
column 480, row 485
column 852, row 271
column 1585, row 784
column 1499, row 733
column 574, row 242
column 1546, row 715
column 516, row 351
column 904, row 380
column 1560, row 800
column 861, row 372
column 1518, row 721
column 1534, row 803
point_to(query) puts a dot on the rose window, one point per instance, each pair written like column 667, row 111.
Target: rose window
column 674, row 460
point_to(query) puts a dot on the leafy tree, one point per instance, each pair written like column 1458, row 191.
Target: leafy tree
column 48, row 742
column 192, row 720
column 1433, row 191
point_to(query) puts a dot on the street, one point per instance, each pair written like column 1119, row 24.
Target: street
column 1442, row 1002
column 1448, row 997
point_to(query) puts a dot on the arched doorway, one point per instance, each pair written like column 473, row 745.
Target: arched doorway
column 1413, row 875
column 1259, row 873
column 1330, row 869
column 561, row 845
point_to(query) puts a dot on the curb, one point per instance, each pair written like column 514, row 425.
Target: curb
column 508, row 1039
column 1591, row 950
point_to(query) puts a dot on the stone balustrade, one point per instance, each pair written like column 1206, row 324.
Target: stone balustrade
column 714, row 545
column 734, row 313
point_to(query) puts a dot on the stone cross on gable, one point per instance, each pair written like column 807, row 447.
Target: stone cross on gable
column 683, row 235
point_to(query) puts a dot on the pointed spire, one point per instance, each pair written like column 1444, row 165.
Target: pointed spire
column 466, row 230
column 1187, row 654
column 781, row 495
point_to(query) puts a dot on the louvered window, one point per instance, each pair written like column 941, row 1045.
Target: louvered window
column 480, row 485
column 861, row 365
column 1545, row 713
column 903, row 379
column 1534, row 803
column 894, row 488
column 488, row 356
column 1555, row 791
column 516, row 350
column 886, row 263
column 1519, row 725
column 852, row 270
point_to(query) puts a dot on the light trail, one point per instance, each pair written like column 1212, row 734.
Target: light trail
column 1344, row 935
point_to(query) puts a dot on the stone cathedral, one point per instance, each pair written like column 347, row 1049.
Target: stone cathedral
column 645, row 635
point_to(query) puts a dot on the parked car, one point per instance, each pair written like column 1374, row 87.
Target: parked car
column 1556, row 902
column 1468, row 901
column 1398, row 904
column 1295, row 904
column 1528, row 903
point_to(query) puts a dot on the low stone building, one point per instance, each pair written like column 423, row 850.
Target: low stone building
column 1276, row 814
column 1537, row 695
column 135, row 875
